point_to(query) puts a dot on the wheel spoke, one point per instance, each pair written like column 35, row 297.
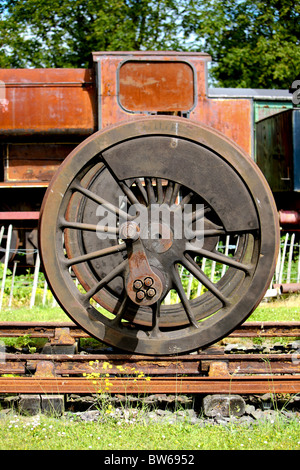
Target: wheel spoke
column 176, row 189
column 168, row 193
column 150, row 191
column 96, row 254
column 198, row 214
column 160, row 192
column 89, row 227
column 194, row 269
column 208, row 233
column 99, row 200
column 155, row 332
column 220, row 258
column 184, row 300
column 109, row 277
column 142, row 190
column 129, row 193
column 184, row 201
column 121, row 311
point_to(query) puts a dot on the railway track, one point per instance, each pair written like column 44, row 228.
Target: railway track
column 67, row 369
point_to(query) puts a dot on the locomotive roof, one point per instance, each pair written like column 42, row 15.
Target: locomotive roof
column 256, row 94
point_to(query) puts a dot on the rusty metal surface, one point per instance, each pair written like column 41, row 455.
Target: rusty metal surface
column 232, row 117
column 20, row 215
column 156, row 86
column 289, row 287
column 52, row 101
column 205, row 363
column 144, row 286
column 248, row 329
column 193, row 385
column 34, row 162
column 62, row 336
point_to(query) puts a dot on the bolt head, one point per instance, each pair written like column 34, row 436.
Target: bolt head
column 140, row 295
column 151, row 292
column 129, row 231
column 137, row 284
column 148, row 281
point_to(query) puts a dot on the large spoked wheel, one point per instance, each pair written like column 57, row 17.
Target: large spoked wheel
column 158, row 236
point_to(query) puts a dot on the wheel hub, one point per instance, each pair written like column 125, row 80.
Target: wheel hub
column 160, row 238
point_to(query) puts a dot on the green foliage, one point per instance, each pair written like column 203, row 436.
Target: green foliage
column 254, row 44
column 36, row 33
column 22, row 288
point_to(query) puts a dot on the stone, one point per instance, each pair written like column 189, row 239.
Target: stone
column 249, row 409
column 257, row 414
column 4, row 413
column 91, row 415
column 30, row 404
column 223, row 405
column 294, row 345
column 52, row 404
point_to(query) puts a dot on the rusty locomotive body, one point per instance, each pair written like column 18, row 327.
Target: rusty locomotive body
column 145, row 125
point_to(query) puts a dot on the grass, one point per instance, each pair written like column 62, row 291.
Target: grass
column 284, row 309
column 38, row 314
column 47, row 433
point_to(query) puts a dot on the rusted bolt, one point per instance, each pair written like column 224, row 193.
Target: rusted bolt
column 137, row 284
column 151, row 292
column 148, row 281
column 140, row 295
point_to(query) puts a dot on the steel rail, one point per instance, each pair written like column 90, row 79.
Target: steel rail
column 192, row 385
column 247, row 329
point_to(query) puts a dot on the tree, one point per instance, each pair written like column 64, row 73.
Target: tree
column 63, row 33
column 253, row 43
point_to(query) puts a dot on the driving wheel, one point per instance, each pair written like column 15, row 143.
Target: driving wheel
column 158, row 236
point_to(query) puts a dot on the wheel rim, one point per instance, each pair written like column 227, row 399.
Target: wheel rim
column 141, row 163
